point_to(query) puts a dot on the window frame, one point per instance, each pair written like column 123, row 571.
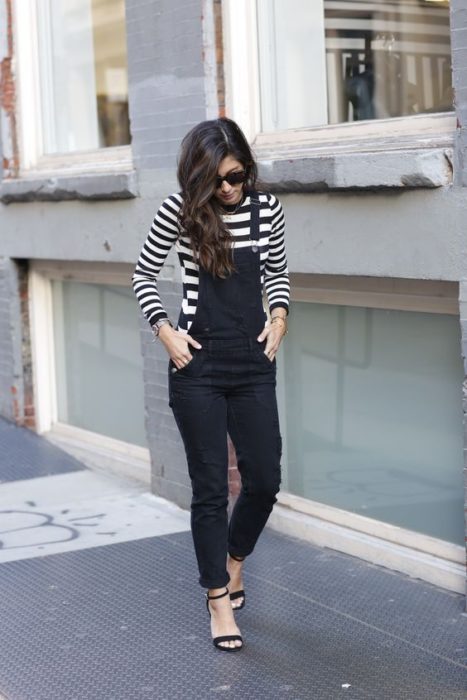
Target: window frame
column 395, row 293
column 241, row 64
column 32, row 160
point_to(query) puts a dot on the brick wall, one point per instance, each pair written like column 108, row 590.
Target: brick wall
column 9, row 145
column 15, row 404
column 11, row 372
column 166, row 78
column 219, row 43
column 28, row 418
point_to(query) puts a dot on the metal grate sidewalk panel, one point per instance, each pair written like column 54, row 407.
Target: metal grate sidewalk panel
column 129, row 621
column 25, row 455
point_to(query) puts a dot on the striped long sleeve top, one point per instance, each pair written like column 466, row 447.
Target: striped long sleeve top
column 165, row 232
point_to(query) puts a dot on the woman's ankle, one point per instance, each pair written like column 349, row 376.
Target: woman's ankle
column 236, row 557
column 217, row 591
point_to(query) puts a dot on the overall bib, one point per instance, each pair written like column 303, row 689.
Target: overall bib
column 229, row 387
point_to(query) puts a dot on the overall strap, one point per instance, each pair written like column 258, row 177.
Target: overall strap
column 255, row 208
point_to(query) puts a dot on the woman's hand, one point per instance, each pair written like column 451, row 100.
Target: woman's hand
column 273, row 333
column 177, row 345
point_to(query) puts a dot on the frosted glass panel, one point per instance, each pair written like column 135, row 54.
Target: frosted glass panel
column 372, row 415
column 98, row 360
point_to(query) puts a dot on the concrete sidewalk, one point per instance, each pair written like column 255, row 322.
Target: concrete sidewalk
column 100, row 600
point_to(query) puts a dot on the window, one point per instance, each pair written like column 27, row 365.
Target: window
column 72, row 77
column 83, row 74
column 302, row 65
column 332, row 61
column 98, row 362
column 86, row 347
column 371, row 412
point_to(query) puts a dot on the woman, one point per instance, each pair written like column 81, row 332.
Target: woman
column 230, row 241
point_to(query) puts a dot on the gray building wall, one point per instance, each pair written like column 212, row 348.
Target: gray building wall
column 459, row 59
column 416, row 232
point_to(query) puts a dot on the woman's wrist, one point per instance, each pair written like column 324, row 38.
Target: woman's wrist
column 165, row 331
column 279, row 320
column 162, row 329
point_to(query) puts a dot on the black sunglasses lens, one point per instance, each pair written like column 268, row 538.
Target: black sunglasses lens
column 236, row 178
column 232, row 178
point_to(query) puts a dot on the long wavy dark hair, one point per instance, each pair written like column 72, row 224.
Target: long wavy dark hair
column 202, row 150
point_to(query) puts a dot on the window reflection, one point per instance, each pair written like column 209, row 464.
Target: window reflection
column 111, row 72
column 387, row 59
column 331, row 61
column 83, row 71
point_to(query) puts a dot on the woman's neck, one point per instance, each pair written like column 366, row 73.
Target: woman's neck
column 229, row 208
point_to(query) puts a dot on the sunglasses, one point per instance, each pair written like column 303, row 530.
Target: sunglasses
column 232, row 178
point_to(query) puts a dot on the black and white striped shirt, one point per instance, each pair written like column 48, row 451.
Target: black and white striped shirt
column 165, row 232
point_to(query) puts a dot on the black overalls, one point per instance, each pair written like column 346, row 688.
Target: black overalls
column 229, row 386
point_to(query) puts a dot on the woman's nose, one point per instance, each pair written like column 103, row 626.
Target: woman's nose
column 225, row 186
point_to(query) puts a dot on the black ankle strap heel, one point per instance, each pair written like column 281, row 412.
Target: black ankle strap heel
column 226, row 637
